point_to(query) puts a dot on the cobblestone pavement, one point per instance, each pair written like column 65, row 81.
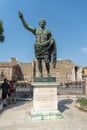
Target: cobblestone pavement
column 17, row 117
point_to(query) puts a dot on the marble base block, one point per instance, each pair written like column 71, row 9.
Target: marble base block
column 45, row 104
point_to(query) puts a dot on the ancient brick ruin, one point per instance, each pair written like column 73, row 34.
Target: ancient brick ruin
column 66, row 71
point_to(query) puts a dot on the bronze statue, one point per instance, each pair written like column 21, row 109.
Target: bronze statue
column 45, row 45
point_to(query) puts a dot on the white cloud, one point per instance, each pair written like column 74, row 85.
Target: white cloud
column 84, row 50
column 59, row 59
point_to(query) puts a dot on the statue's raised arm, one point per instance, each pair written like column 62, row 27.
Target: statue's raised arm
column 29, row 28
column 20, row 15
column 45, row 45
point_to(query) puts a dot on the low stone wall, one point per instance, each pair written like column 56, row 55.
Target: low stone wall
column 70, row 89
column 27, row 91
column 24, row 91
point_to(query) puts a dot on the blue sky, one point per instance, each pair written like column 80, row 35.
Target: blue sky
column 67, row 19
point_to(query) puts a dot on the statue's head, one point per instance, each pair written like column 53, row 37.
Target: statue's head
column 42, row 21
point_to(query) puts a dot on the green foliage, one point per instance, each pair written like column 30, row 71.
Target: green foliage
column 1, row 32
column 82, row 101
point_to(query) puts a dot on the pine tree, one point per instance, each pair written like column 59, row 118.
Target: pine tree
column 1, row 32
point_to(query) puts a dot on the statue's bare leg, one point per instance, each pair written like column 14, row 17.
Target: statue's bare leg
column 40, row 67
column 48, row 68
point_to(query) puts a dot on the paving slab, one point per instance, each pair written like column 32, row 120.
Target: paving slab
column 17, row 117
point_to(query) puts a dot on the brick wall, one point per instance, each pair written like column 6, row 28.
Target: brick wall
column 64, row 71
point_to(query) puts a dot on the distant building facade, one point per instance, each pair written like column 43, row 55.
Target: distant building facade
column 66, row 71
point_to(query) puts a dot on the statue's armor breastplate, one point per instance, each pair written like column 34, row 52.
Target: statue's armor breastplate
column 41, row 36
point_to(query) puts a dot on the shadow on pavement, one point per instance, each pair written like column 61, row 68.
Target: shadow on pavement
column 21, row 99
column 12, row 105
column 62, row 104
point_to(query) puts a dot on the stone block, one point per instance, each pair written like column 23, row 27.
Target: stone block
column 45, row 103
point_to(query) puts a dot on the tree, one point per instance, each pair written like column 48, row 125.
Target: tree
column 1, row 32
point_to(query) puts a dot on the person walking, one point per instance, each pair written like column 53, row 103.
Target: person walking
column 4, row 86
column 12, row 91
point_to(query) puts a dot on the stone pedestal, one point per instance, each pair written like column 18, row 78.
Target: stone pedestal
column 45, row 103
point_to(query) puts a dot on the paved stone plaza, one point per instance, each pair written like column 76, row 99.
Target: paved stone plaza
column 17, row 117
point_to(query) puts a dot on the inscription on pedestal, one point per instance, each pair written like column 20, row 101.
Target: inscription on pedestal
column 45, row 98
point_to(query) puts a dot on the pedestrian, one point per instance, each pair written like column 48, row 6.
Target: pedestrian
column 12, row 91
column 5, row 87
column 9, row 91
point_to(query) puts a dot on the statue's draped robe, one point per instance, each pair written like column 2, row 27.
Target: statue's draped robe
column 46, row 51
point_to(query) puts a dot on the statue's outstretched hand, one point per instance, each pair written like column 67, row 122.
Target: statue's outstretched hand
column 20, row 15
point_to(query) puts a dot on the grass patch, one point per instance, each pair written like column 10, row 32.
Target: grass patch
column 82, row 101
column 82, row 104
